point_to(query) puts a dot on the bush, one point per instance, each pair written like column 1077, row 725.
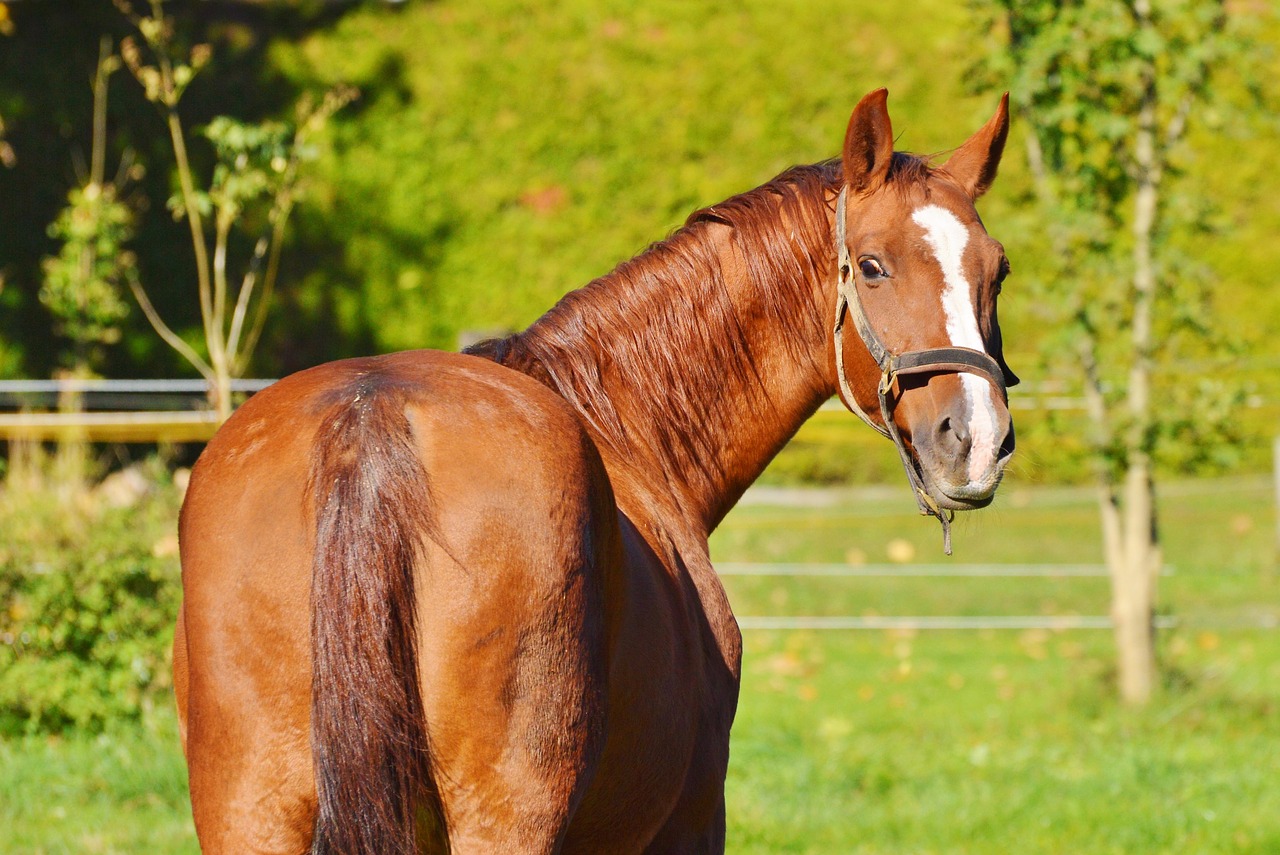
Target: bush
column 89, row 590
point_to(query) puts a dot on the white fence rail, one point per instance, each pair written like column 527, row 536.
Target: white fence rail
column 730, row 568
column 924, row 622
column 949, row 622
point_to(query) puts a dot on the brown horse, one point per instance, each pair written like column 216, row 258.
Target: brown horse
column 463, row 602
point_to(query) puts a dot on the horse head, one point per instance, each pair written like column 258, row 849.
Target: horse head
column 919, row 277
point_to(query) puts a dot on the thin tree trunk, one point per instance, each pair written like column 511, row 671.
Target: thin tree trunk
column 220, row 391
column 71, row 459
column 1133, row 589
column 1127, row 511
column 71, row 462
column 1134, row 566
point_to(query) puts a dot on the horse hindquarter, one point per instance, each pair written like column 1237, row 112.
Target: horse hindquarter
column 463, row 525
column 242, row 661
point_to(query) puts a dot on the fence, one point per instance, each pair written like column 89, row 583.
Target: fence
column 148, row 411
column 926, row 622
column 178, row 411
column 112, row 410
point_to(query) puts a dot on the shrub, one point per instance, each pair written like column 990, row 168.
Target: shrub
column 89, row 590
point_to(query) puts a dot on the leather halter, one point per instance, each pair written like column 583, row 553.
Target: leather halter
column 892, row 366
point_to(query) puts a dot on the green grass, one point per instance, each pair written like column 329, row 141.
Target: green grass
column 898, row 742
column 122, row 791
column 1002, row 742
column 1006, row 741
column 1219, row 538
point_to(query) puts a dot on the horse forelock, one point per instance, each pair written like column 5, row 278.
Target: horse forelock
column 910, row 171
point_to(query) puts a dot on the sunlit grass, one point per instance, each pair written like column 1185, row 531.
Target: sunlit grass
column 999, row 741
column 124, row 791
column 1002, row 742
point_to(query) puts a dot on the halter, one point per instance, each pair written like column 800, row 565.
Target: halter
column 931, row 361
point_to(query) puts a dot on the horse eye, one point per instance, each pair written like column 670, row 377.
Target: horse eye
column 871, row 268
column 1001, row 276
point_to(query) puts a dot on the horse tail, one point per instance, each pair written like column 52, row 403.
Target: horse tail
column 368, row 731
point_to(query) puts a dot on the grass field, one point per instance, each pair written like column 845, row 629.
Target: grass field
column 988, row 741
column 1006, row 741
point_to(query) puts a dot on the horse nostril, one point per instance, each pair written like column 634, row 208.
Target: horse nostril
column 954, row 436
column 1007, row 444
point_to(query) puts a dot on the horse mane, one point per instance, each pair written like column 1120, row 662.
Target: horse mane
column 664, row 322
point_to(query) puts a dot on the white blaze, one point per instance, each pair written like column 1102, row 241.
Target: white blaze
column 948, row 237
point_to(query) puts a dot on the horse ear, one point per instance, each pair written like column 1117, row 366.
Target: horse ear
column 974, row 164
column 868, row 144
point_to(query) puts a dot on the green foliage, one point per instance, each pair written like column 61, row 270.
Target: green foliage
column 256, row 170
column 552, row 148
column 831, row 449
column 528, row 148
column 165, row 82
column 83, row 283
column 1108, row 90
column 534, row 147
column 251, row 162
column 482, row 179
column 88, row 597
column 1080, row 69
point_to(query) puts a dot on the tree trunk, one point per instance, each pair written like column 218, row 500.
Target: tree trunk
column 220, row 391
column 1134, row 555
column 1133, row 560
column 71, row 460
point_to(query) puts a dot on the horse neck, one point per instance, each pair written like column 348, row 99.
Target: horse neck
column 694, row 363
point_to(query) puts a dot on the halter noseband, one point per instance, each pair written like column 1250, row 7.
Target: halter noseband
column 892, row 366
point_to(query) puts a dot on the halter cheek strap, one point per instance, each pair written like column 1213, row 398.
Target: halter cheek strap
column 892, row 366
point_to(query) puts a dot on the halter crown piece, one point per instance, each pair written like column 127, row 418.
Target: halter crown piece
column 931, row 361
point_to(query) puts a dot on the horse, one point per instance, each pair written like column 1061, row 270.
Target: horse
column 463, row 602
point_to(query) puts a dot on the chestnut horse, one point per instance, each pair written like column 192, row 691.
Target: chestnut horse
column 463, row 602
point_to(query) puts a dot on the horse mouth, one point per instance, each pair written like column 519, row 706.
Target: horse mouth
column 967, row 495
column 965, row 498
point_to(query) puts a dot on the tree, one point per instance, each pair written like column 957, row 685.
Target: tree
column 1107, row 90
column 83, row 283
column 256, row 176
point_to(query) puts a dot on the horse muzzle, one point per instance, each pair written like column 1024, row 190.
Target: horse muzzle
column 964, row 455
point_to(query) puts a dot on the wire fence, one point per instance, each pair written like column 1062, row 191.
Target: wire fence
column 1054, row 623
column 730, row 568
column 149, row 395
column 152, row 410
column 926, row 622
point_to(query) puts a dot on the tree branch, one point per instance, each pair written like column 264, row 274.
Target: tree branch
column 163, row 330
column 242, row 306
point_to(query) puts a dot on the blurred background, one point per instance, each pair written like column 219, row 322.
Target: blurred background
column 347, row 178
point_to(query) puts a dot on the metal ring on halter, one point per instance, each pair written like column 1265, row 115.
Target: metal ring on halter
column 930, row 361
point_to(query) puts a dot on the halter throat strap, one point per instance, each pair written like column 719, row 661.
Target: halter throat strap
column 892, row 366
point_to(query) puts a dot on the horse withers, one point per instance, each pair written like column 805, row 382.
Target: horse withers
column 463, row 602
